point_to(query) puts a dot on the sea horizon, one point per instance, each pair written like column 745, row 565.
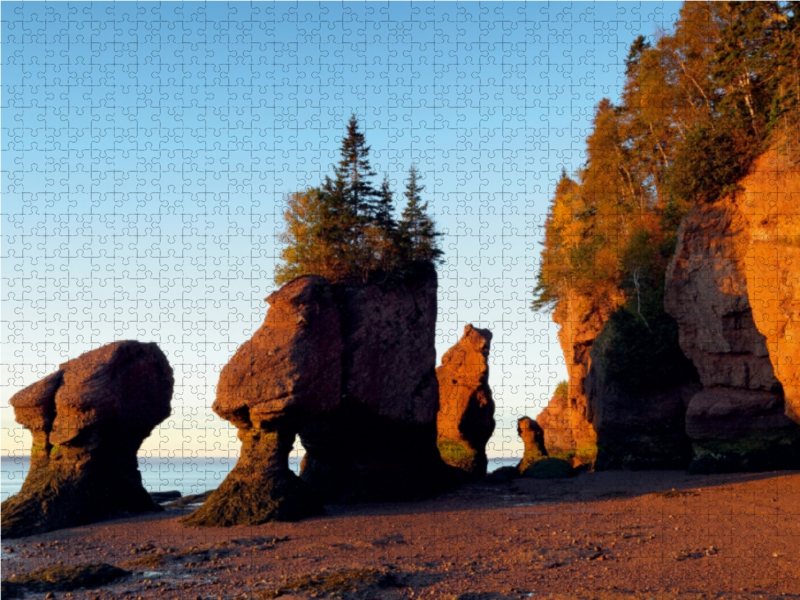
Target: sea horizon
column 188, row 475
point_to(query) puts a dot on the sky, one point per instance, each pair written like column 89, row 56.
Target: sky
column 148, row 149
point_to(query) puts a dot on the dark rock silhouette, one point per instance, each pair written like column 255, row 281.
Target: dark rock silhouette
column 380, row 442
column 286, row 374
column 88, row 420
column 502, row 475
column 550, row 468
column 465, row 420
column 638, row 409
column 533, row 437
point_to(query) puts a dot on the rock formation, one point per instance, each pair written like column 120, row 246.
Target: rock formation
column 732, row 268
column 88, row 420
column 465, row 420
column 289, row 372
column 380, row 442
column 550, row 468
column 769, row 202
column 533, row 437
column 638, row 387
column 566, row 420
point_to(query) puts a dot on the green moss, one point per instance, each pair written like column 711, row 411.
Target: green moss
column 766, row 452
column 152, row 561
column 457, row 454
column 62, row 578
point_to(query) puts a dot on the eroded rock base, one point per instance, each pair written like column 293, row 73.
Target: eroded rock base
column 260, row 488
column 55, row 496
column 354, row 456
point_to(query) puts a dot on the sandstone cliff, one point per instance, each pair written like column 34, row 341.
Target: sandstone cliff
column 730, row 287
column 769, row 200
column 638, row 387
column 286, row 374
column 566, row 420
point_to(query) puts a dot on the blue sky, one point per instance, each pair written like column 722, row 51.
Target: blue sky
column 147, row 150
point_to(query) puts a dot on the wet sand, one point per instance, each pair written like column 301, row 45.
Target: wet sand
column 599, row 535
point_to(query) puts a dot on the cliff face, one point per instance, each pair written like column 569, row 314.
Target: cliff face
column 770, row 204
column 380, row 442
column 638, row 387
column 730, row 287
column 567, row 419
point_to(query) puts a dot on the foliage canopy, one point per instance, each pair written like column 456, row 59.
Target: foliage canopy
column 697, row 107
column 346, row 229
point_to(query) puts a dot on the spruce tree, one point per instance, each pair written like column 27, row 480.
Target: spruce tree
column 417, row 231
column 346, row 230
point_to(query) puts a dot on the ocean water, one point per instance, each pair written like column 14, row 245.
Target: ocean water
column 163, row 474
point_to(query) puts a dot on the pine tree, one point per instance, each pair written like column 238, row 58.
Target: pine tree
column 352, row 175
column 417, row 231
column 383, row 232
column 346, row 230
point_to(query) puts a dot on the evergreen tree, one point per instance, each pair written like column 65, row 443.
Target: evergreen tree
column 383, row 232
column 384, row 210
column 417, row 231
column 346, row 230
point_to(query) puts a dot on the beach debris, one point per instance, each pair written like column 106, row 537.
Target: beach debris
column 88, row 420
column 465, row 420
column 336, row 583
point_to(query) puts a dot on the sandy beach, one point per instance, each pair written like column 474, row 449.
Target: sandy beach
column 607, row 535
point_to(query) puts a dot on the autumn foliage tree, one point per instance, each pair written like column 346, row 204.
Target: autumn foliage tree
column 697, row 107
column 346, row 229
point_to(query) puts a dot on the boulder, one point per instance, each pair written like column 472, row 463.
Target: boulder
column 533, row 437
column 550, row 468
column 88, row 421
column 379, row 443
column 465, row 420
column 736, row 422
column 288, row 373
column 502, row 475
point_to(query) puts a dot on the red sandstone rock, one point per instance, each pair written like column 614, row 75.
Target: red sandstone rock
column 736, row 422
column 567, row 419
column 289, row 372
column 380, row 443
column 533, row 437
column 465, row 420
column 769, row 201
column 88, row 420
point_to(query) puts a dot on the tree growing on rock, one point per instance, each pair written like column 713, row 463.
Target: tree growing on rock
column 346, row 229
